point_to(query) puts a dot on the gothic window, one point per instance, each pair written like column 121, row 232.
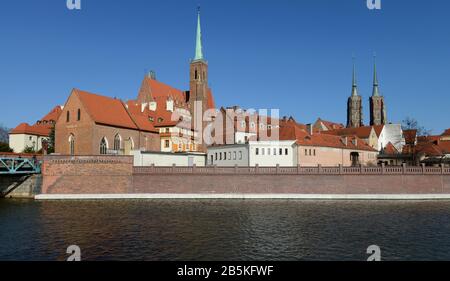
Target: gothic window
column 68, row 116
column 79, row 115
column 196, row 75
column 117, row 142
column 103, row 146
column 72, row 144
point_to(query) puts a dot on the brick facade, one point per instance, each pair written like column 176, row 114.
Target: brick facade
column 88, row 134
column 116, row 175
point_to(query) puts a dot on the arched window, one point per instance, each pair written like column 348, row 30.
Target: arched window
column 103, row 146
column 196, row 75
column 72, row 144
column 79, row 114
column 117, row 142
column 68, row 116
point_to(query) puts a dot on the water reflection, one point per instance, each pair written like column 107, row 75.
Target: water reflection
column 224, row 230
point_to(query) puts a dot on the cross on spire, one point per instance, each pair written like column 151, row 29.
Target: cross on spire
column 198, row 45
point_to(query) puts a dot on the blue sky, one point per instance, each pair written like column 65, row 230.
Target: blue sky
column 291, row 55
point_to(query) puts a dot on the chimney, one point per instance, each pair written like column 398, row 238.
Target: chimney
column 344, row 140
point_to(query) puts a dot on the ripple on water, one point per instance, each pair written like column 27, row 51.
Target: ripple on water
column 224, row 230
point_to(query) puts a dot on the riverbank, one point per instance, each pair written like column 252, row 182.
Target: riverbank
column 114, row 177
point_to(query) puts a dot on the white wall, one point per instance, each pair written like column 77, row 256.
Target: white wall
column 241, row 137
column 167, row 159
column 228, row 155
column 18, row 142
column 391, row 133
column 269, row 153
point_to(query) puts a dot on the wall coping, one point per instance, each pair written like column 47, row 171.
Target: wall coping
column 300, row 170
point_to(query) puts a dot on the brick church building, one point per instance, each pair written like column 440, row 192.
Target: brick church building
column 92, row 124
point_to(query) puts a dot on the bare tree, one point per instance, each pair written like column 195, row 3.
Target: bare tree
column 412, row 124
column 4, row 134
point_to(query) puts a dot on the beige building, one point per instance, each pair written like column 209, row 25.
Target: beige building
column 26, row 136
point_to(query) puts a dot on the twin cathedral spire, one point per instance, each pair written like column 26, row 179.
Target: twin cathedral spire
column 378, row 114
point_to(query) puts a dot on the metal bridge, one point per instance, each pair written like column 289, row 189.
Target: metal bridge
column 19, row 166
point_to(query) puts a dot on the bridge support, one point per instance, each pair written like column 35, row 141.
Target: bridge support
column 20, row 186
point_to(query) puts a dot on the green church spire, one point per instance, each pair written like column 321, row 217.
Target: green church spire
column 354, row 85
column 198, row 46
column 376, row 91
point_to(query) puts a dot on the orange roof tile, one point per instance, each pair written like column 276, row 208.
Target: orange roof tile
column 152, row 89
column 390, row 149
column 446, row 133
column 360, row 132
column 42, row 127
column 331, row 125
column 378, row 129
column 295, row 132
column 39, row 130
column 105, row 110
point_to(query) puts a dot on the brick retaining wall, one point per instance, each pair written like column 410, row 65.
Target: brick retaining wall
column 87, row 174
column 116, row 175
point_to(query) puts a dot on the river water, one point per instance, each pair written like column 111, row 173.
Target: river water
column 224, row 230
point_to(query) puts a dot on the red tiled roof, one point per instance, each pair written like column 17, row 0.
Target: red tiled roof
column 390, row 149
column 331, row 125
column 295, row 132
column 152, row 89
column 378, row 129
column 210, row 97
column 446, row 133
column 444, row 146
column 53, row 115
column 42, row 127
column 429, row 149
column 360, row 132
column 410, row 136
column 106, row 110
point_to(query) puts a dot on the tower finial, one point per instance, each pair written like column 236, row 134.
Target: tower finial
column 375, row 91
column 198, row 45
column 354, row 84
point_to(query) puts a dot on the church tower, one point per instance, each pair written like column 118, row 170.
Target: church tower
column 378, row 114
column 198, row 81
column 354, row 106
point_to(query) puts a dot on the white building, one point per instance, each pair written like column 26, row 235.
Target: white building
column 164, row 159
column 391, row 133
column 261, row 153
column 26, row 136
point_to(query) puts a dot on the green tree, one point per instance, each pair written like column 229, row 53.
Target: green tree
column 4, row 147
column 51, row 141
column 29, row 149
